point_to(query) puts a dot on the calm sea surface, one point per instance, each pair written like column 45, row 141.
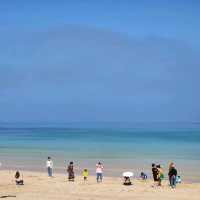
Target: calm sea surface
column 123, row 148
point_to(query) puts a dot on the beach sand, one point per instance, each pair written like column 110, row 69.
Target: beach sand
column 40, row 187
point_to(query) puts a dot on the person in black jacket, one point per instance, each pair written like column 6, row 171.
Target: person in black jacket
column 155, row 173
column 172, row 175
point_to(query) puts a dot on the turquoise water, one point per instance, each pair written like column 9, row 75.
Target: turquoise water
column 124, row 148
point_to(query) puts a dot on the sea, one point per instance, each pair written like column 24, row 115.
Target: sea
column 118, row 146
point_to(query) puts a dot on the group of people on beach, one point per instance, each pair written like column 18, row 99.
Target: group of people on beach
column 157, row 172
column 70, row 170
column 158, row 175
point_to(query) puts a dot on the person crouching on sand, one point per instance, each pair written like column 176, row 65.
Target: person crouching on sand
column 99, row 172
column 18, row 180
column 85, row 174
column 143, row 176
column 49, row 165
column 70, row 170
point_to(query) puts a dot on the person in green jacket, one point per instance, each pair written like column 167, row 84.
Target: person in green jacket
column 160, row 175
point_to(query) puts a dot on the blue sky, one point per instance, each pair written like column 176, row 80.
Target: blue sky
column 99, row 61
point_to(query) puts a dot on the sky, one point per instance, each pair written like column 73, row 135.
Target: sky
column 99, row 61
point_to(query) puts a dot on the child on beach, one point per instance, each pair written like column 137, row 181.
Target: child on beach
column 160, row 175
column 178, row 179
column 85, row 174
column 143, row 176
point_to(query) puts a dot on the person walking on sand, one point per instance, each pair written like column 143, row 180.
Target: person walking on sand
column 99, row 172
column 172, row 175
column 49, row 165
column 70, row 170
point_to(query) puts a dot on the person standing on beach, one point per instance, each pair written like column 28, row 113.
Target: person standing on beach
column 172, row 175
column 49, row 165
column 99, row 172
column 170, row 167
column 160, row 175
column 70, row 170
column 155, row 173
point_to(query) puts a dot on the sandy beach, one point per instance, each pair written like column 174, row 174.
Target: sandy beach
column 39, row 186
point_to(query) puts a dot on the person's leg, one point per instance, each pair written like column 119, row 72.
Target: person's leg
column 174, row 181
column 155, row 183
column 51, row 172
column 73, row 178
column 101, row 177
column 170, row 181
column 48, row 170
column 98, row 176
column 159, row 182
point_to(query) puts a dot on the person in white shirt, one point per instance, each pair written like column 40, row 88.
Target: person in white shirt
column 99, row 172
column 49, row 165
